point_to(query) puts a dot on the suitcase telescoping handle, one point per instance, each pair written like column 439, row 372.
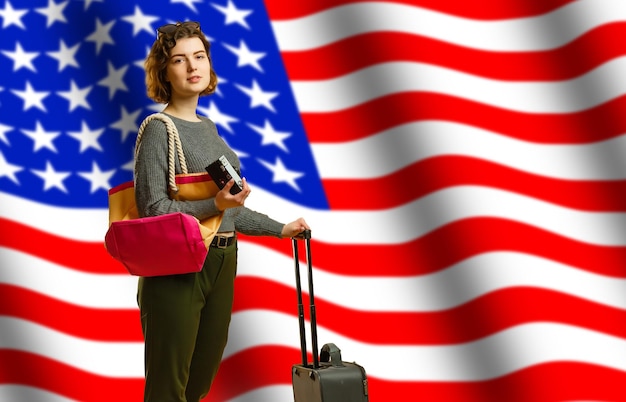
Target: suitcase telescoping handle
column 306, row 235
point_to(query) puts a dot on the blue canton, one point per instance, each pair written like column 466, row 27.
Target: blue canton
column 72, row 96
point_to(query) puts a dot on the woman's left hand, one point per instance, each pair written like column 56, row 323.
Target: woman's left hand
column 224, row 199
column 294, row 228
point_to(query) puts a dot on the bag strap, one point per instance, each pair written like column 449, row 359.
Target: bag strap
column 174, row 147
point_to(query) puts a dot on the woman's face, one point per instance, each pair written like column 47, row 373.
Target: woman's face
column 189, row 69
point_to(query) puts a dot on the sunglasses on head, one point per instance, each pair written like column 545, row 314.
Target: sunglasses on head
column 170, row 28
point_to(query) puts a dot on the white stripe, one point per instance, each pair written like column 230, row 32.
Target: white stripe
column 500, row 354
column 16, row 393
column 417, row 218
column 548, row 31
column 68, row 285
column 88, row 224
column 275, row 393
column 471, row 278
column 503, row 353
column 421, row 216
column 113, row 359
column 608, row 81
column 414, row 142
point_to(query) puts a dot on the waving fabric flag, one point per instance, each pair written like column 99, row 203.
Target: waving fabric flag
column 461, row 165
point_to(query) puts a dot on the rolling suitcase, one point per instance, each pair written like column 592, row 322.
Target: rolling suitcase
column 328, row 378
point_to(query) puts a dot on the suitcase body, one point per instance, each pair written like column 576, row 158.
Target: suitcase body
column 328, row 378
column 335, row 381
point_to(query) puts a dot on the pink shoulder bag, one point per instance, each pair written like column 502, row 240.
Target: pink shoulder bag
column 168, row 244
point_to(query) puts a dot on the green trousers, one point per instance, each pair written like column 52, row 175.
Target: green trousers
column 185, row 321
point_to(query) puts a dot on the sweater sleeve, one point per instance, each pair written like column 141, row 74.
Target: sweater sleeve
column 254, row 223
column 151, row 179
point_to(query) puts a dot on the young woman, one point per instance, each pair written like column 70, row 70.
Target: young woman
column 185, row 318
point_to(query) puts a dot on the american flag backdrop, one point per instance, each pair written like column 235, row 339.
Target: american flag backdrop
column 461, row 164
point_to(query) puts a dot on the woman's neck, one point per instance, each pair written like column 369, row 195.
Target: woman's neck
column 185, row 110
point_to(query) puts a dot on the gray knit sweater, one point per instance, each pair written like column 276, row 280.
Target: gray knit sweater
column 201, row 145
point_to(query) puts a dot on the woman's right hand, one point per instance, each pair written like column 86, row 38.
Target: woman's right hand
column 224, row 199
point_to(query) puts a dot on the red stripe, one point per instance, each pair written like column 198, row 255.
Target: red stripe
column 458, row 241
column 442, row 172
column 79, row 255
column 458, row 238
column 557, row 381
column 28, row 369
column 252, row 369
column 255, row 368
column 576, row 58
column 599, row 123
column 551, row 382
column 484, row 316
column 486, row 10
column 98, row 324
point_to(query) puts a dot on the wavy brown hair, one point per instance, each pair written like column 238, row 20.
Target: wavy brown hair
column 158, row 89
